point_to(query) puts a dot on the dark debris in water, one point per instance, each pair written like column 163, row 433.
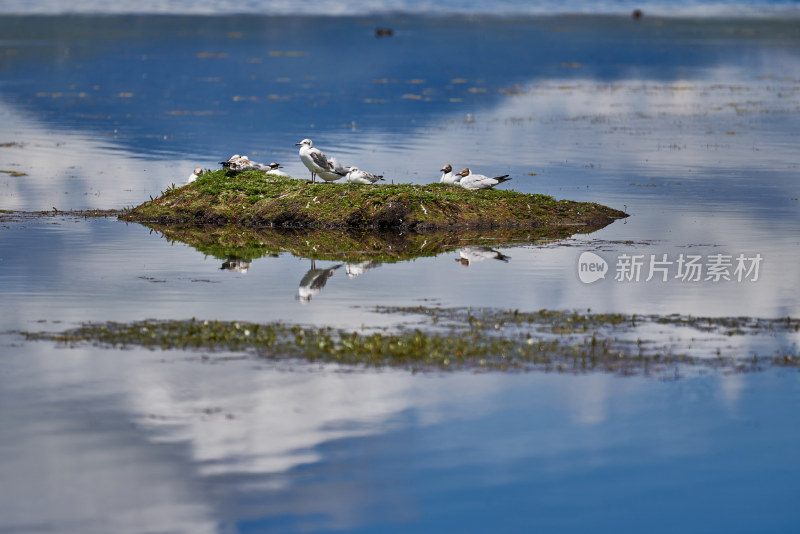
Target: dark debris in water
column 462, row 338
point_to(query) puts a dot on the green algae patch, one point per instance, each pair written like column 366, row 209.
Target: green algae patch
column 464, row 338
column 257, row 199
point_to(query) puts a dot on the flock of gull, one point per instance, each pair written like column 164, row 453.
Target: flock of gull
column 330, row 170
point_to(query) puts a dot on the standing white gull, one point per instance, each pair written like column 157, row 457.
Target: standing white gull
column 316, row 162
column 448, row 177
column 357, row 176
column 195, row 175
column 479, row 181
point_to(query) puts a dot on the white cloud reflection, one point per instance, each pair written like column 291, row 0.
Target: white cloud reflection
column 69, row 169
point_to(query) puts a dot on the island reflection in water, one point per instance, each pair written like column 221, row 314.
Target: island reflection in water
column 358, row 251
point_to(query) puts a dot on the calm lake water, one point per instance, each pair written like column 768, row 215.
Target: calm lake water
column 689, row 125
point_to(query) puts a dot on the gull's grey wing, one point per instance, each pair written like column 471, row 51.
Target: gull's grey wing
column 337, row 167
column 319, row 159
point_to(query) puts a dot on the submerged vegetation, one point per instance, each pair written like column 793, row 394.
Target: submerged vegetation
column 462, row 338
column 14, row 173
column 257, row 199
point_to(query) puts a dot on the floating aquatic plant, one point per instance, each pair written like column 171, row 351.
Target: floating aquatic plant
column 461, row 338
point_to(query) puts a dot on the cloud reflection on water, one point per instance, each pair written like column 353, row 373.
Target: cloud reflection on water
column 202, row 442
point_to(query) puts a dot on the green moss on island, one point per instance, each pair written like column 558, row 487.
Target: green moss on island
column 257, row 199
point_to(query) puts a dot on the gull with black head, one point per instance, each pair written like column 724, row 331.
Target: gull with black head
column 273, row 168
column 447, row 175
column 479, row 181
column 195, row 175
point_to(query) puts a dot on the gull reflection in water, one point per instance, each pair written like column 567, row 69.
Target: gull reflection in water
column 240, row 265
column 356, row 269
column 314, row 280
column 237, row 266
column 467, row 255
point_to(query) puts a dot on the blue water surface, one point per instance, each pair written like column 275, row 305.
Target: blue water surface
column 706, row 8
column 689, row 124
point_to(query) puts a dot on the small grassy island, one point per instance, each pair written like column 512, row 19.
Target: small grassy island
column 256, row 199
